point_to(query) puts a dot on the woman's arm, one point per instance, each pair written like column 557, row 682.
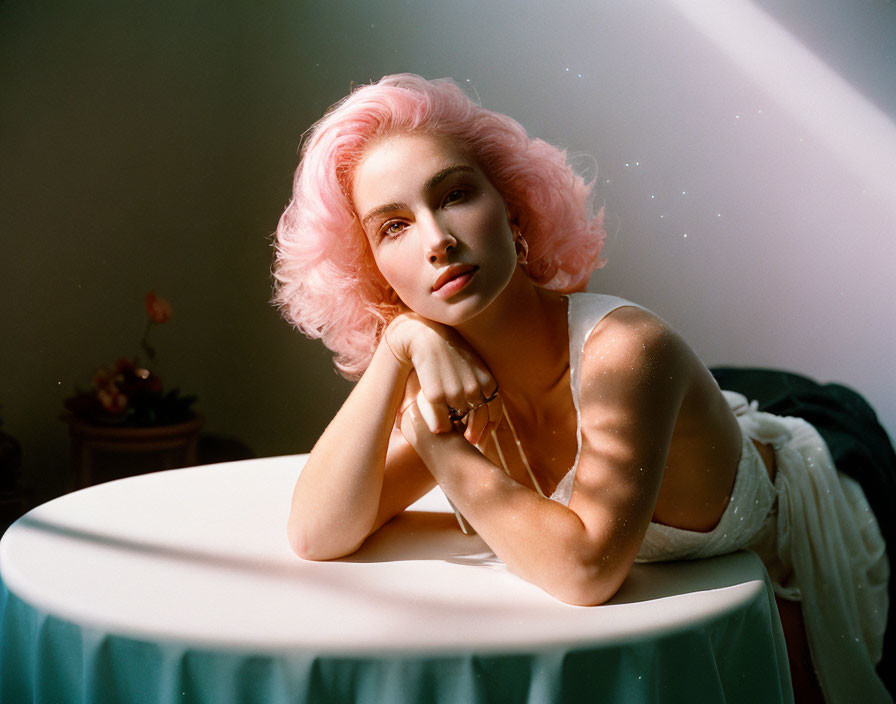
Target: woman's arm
column 337, row 496
column 362, row 471
column 635, row 375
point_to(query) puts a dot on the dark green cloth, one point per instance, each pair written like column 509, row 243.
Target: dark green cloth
column 858, row 444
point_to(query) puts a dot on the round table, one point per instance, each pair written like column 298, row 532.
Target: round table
column 180, row 586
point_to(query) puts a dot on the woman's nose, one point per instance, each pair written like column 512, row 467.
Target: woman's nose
column 438, row 242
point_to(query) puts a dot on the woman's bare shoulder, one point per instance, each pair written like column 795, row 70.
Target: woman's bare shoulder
column 634, row 377
column 633, row 345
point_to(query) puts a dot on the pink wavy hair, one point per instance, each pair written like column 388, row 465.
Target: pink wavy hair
column 327, row 283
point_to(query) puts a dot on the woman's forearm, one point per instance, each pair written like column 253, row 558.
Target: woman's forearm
column 541, row 540
column 336, row 498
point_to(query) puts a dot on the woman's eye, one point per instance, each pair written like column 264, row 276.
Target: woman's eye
column 391, row 229
column 455, row 194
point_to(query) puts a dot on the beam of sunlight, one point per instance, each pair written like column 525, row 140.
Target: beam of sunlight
column 859, row 134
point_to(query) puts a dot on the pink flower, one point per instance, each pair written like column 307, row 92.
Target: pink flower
column 157, row 308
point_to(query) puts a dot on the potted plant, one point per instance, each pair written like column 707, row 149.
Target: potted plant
column 128, row 411
column 128, row 393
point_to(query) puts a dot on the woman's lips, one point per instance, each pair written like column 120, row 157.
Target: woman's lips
column 453, row 280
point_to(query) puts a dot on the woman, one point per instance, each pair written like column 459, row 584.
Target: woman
column 438, row 250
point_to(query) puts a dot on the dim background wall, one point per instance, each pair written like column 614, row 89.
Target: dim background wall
column 151, row 146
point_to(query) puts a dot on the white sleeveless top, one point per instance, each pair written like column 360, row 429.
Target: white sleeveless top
column 753, row 495
column 813, row 529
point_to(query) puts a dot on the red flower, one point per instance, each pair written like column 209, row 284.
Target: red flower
column 123, row 364
column 157, row 308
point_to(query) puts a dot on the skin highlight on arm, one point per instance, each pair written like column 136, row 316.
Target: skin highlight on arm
column 580, row 554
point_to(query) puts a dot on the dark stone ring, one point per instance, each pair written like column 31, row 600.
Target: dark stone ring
column 455, row 416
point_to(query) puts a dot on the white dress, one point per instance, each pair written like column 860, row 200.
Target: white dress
column 813, row 529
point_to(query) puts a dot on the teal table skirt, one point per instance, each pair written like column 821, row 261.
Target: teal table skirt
column 49, row 661
column 218, row 627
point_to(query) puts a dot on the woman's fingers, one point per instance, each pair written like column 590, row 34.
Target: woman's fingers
column 435, row 416
column 481, row 379
column 477, row 421
column 451, row 390
column 452, row 378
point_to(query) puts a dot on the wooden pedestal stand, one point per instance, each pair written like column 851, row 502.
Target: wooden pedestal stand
column 102, row 452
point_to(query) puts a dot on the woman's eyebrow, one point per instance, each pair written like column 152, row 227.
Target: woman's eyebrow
column 381, row 210
column 445, row 173
column 434, row 181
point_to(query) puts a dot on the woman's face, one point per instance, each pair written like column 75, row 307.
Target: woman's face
column 437, row 227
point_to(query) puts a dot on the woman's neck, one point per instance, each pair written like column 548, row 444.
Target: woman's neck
column 523, row 338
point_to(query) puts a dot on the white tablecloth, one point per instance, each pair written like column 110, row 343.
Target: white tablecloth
column 180, row 586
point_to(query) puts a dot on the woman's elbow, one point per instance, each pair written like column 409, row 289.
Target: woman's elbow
column 299, row 547
column 587, row 585
column 310, row 547
column 299, row 542
column 585, row 594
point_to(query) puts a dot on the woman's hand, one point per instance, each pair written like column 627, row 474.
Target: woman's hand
column 451, row 384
